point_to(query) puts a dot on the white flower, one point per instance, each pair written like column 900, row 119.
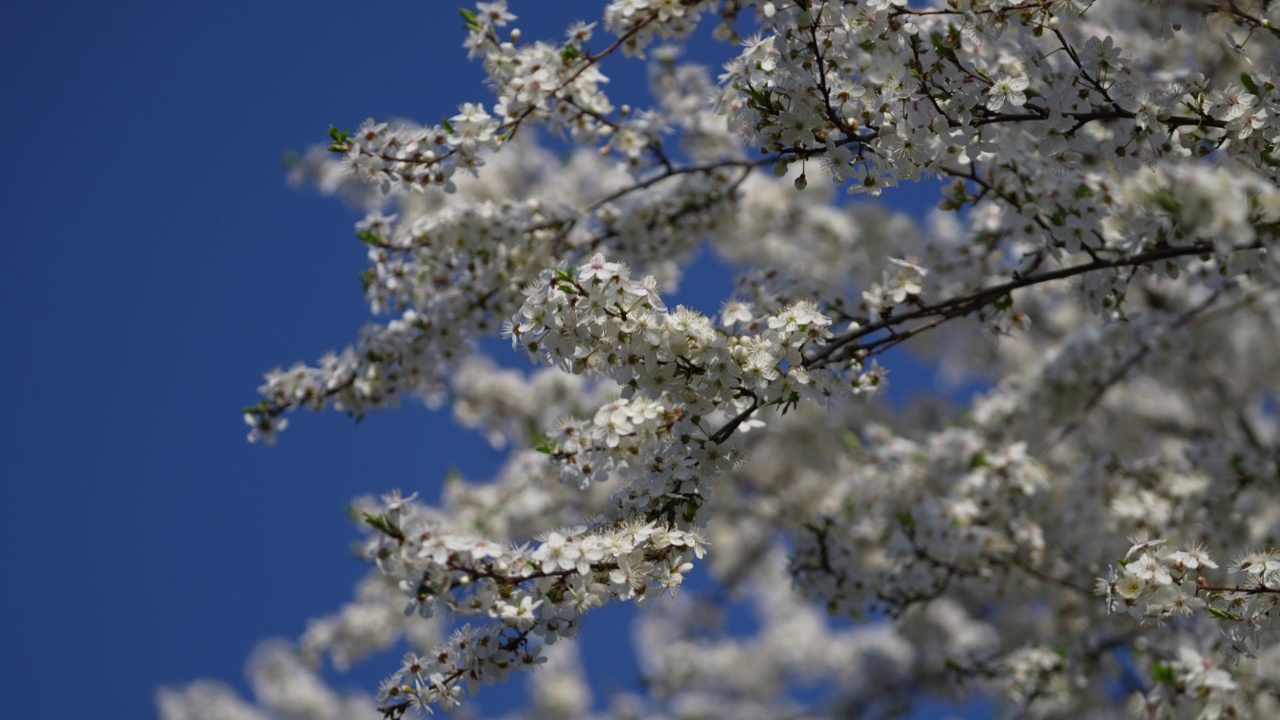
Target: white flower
column 1194, row 558
column 733, row 312
column 598, row 270
column 520, row 615
column 1150, row 568
column 1008, row 89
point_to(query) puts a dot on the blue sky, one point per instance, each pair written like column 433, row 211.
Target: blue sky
column 157, row 265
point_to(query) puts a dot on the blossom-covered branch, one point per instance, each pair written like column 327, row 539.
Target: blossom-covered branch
column 1101, row 264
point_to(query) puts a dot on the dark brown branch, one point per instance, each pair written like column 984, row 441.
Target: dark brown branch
column 835, row 351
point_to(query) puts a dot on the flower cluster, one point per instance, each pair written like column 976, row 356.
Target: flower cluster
column 904, row 282
column 1157, row 584
column 687, row 385
column 599, row 320
column 956, row 513
column 1108, row 215
column 528, row 593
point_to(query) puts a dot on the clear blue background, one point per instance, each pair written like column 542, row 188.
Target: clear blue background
column 156, row 264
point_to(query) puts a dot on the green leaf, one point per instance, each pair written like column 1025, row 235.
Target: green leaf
column 691, row 507
column 569, row 52
column 383, row 525
column 760, row 96
column 1165, row 200
column 448, row 126
column 942, row 47
column 1247, row 80
column 369, row 237
column 791, row 402
column 1222, row 614
column 1162, row 673
column 469, row 17
column 563, row 279
column 850, row 439
column 544, row 445
column 341, row 139
column 906, row 520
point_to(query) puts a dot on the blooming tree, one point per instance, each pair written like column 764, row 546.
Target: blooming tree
column 1095, row 535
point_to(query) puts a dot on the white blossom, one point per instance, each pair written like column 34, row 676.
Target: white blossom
column 1101, row 265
